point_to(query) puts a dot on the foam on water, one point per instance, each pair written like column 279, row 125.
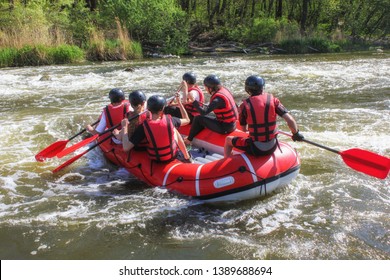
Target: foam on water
column 329, row 211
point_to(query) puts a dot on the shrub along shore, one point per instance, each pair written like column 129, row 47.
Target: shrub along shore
column 114, row 51
column 64, row 54
column 43, row 32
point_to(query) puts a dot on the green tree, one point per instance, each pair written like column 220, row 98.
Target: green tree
column 159, row 24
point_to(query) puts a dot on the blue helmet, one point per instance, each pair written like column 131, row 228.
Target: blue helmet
column 156, row 103
column 116, row 95
column 136, row 98
column 254, row 84
column 211, row 81
column 190, row 78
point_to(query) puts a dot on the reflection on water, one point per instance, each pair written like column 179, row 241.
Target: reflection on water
column 93, row 210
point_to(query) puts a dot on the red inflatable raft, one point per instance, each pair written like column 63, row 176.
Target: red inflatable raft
column 211, row 177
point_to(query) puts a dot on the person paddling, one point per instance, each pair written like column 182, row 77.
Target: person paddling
column 112, row 114
column 164, row 141
column 137, row 101
column 191, row 92
column 258, row 115
column 221, row 103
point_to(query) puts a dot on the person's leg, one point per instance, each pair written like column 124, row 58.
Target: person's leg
column 196, row 127
column 191, row 117
column 201, row 122
column 173, row 111
column 228, row 146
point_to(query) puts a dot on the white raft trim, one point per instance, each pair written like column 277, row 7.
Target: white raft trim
column 167, row 174
column 250, row 166
column 197, row 181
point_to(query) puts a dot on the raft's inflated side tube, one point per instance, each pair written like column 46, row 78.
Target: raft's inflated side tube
column 212, row 179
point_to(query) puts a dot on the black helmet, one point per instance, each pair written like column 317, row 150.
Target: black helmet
column 156, row 103
column 116, row 95
column 211, row 81
column 254, row 84
column 137, row 98
column 190, row 78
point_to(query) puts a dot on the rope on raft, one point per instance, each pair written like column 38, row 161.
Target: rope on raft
column 241, row 169
column 179, row 179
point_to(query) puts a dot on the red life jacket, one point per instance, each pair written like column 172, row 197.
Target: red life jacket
column 134, row 123
column 228, row 114
column 190, row 107
column 141, row 118
column 161, row 138
column 114, row 115
column 262, row 117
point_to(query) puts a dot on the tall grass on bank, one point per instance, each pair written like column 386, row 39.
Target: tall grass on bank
column 309, row 45
column 115, row 44
column 40, row 55
column 118, row 47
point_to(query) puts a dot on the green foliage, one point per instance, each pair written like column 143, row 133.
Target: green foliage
column 294, row 46
column 160, row 24
column 31, row 55
column 80, row 24
column 321, row 45
column 263, row 30
column 309, row 45
column 287, row 30
column 37, row 32
column 111, row 50
column 7, row 56
column 65, row 54
column 40, row 55
column 136, row 50
column 26, row 23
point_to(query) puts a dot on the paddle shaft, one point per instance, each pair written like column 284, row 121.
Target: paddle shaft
column 82, row 131
column 57, row 147
column 73, row 159
column 84, row 142
column 361, row 160
column 170, row 99
column 117, row 125
column 312, row 143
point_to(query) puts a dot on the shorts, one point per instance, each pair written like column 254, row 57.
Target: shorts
column 256, row 148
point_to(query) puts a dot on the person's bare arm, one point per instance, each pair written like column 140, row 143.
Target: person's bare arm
column 127, row 145
column 185, row 119
column 292, row 124
column 181, row 144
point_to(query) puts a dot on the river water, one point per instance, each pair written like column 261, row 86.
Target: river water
column 93, row 210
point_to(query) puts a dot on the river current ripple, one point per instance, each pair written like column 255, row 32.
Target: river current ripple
column 93, row 210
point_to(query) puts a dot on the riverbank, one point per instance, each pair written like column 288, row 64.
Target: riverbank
column 31, row 31
column 66, row 54
column 38, row 55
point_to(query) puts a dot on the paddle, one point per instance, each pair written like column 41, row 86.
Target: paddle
column 77, row 146
column 56, row 147
column 170, row 99
column 73, row 159
column 361, row 160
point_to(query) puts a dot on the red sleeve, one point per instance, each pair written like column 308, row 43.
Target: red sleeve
column 280, row 109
